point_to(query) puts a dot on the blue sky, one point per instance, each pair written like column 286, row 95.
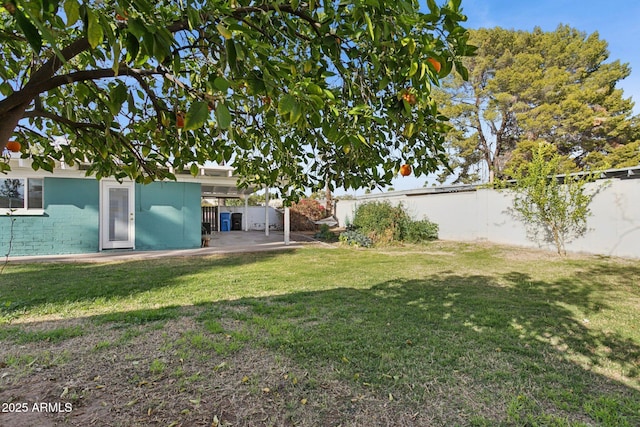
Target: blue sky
column 618, row 23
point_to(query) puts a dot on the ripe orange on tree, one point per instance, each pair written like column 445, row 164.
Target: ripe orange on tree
column 435, row 63
column 13, row 146
column 405, row 170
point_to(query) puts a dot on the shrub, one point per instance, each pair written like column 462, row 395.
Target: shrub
column 304, row 213
column 381, row 221
column 354, row 238
column 326, row 234
column 384, row 224
column 419, row 231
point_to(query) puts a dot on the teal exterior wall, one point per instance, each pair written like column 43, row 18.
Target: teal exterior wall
column 168, row 215
column 69, row 225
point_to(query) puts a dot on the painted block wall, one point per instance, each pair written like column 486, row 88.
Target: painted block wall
column 256, row 216
column 485, row 214
column 167, row 215
column 69, row 225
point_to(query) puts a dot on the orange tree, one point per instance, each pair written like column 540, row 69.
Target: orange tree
column 288, row 91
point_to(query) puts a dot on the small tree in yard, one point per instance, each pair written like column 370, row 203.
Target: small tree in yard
column 553, row 211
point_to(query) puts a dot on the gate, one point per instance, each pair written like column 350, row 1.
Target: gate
column 209, row 216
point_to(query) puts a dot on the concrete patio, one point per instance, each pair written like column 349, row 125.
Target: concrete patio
column 220, row 243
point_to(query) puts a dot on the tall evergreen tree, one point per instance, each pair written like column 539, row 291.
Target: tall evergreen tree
column 524, row 87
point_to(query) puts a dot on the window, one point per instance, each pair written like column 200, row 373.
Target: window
column 18, row 194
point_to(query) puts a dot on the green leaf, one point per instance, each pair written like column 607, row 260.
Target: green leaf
column 196, row 116
column 413, row 69
column 30, row 32
column 72, row 10
column 117, row 96
column 296, row 113
column 194, row 169
column 193, row 15
column 95, row 33
column 132, row 47
column 408, row 130
column 433, row 7
column 224, row 31
column 314, row 89
column 136, row 27
column 117, row 49
column 231, row 54
column 6, row 89
column 221, row 84
column 287, row 104
column 223, row 116
column 367, row 18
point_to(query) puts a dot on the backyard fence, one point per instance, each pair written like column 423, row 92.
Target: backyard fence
column 468, row 213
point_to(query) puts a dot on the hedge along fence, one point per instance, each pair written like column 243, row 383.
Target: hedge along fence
column 385, row 223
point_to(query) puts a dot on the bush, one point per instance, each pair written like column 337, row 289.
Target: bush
column 419, row 231
column 304, row 213
column 326, row 234
column 384, row 224
column 381, row 221
column 354, row 238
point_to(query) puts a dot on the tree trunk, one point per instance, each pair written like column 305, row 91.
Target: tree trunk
column 13, row 107
column 328, row 199
column 9, row 122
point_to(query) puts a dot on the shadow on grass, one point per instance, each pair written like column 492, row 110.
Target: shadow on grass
column 501, row 349
column 27, row 286
column 469, row 343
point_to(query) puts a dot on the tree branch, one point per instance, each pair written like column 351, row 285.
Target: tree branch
column 240, row 12
column 36, row 88
column 150, row 93
column 59, row 119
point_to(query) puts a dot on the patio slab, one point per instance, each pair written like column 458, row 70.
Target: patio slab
column 221, row 243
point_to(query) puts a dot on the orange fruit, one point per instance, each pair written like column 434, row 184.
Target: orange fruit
column 436, row 64
column 13, row 146
column 405, row 170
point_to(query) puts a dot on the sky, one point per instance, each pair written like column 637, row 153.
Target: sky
column 618, row 23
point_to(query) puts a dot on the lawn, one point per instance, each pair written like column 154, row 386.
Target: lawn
column 441, row 334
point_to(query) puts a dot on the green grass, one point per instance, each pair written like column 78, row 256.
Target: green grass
column 500, row 336
column 19, row 336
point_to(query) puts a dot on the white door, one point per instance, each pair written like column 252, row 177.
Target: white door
column 117, row 216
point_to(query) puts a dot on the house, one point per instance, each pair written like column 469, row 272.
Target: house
column 67, row 212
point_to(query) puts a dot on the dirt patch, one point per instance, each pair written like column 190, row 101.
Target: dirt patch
column 170, row 373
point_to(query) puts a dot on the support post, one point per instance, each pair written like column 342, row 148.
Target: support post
column 245, row 224
column 217, row 212
column 266, row 212
column 287, row 225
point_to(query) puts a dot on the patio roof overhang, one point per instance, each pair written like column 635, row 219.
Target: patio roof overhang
column 215, row 181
